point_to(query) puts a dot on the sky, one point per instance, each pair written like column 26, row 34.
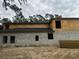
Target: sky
column 66, row 8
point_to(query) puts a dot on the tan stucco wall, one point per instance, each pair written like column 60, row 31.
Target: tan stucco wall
column 66, row 25
column 70, row 24
column 13, row 26
column 52, row 24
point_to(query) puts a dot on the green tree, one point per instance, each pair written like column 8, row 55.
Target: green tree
column 19, row 16
column 5, row 20
column 49, row 16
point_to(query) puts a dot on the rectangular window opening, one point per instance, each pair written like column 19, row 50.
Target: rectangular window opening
column 58, row 24
column 6, row 26
column 50, row 35
column 36, row 38
column 5, row 38
column 12, row 39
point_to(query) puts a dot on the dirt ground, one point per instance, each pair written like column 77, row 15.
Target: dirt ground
column 38, row 53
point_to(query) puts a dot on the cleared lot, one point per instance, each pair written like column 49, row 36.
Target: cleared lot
column 38, row 53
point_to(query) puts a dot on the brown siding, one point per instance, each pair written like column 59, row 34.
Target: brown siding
column 13, row 26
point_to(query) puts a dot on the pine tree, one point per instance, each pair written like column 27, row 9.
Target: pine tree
column 19, row 16
column 6, row 4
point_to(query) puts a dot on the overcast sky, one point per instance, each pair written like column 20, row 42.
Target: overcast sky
column 66, row 8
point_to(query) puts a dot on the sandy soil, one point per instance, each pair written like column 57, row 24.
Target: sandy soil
column 38, row 53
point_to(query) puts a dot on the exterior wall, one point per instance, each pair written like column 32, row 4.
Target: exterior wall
column 70, row 24
column 52, row 24
column 13, row 26
column 66, row 35
column 66, row 25
column 67, row 39
column 69, row 30
column 28, row 39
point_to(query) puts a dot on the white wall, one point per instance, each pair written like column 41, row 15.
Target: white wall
column 28, row 38
column 67, row 35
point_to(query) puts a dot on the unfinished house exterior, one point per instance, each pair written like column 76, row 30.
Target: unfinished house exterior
column 63, row 32
column 66, row 31
column 26, row 34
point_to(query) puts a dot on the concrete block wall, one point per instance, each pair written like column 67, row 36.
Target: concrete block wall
column 28, row 39
column 66, row 35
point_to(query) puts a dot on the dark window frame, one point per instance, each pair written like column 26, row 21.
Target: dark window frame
column 12, row 39
column 36, row 38
column 50, row 36
column 5, row 39
column 58, row 24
